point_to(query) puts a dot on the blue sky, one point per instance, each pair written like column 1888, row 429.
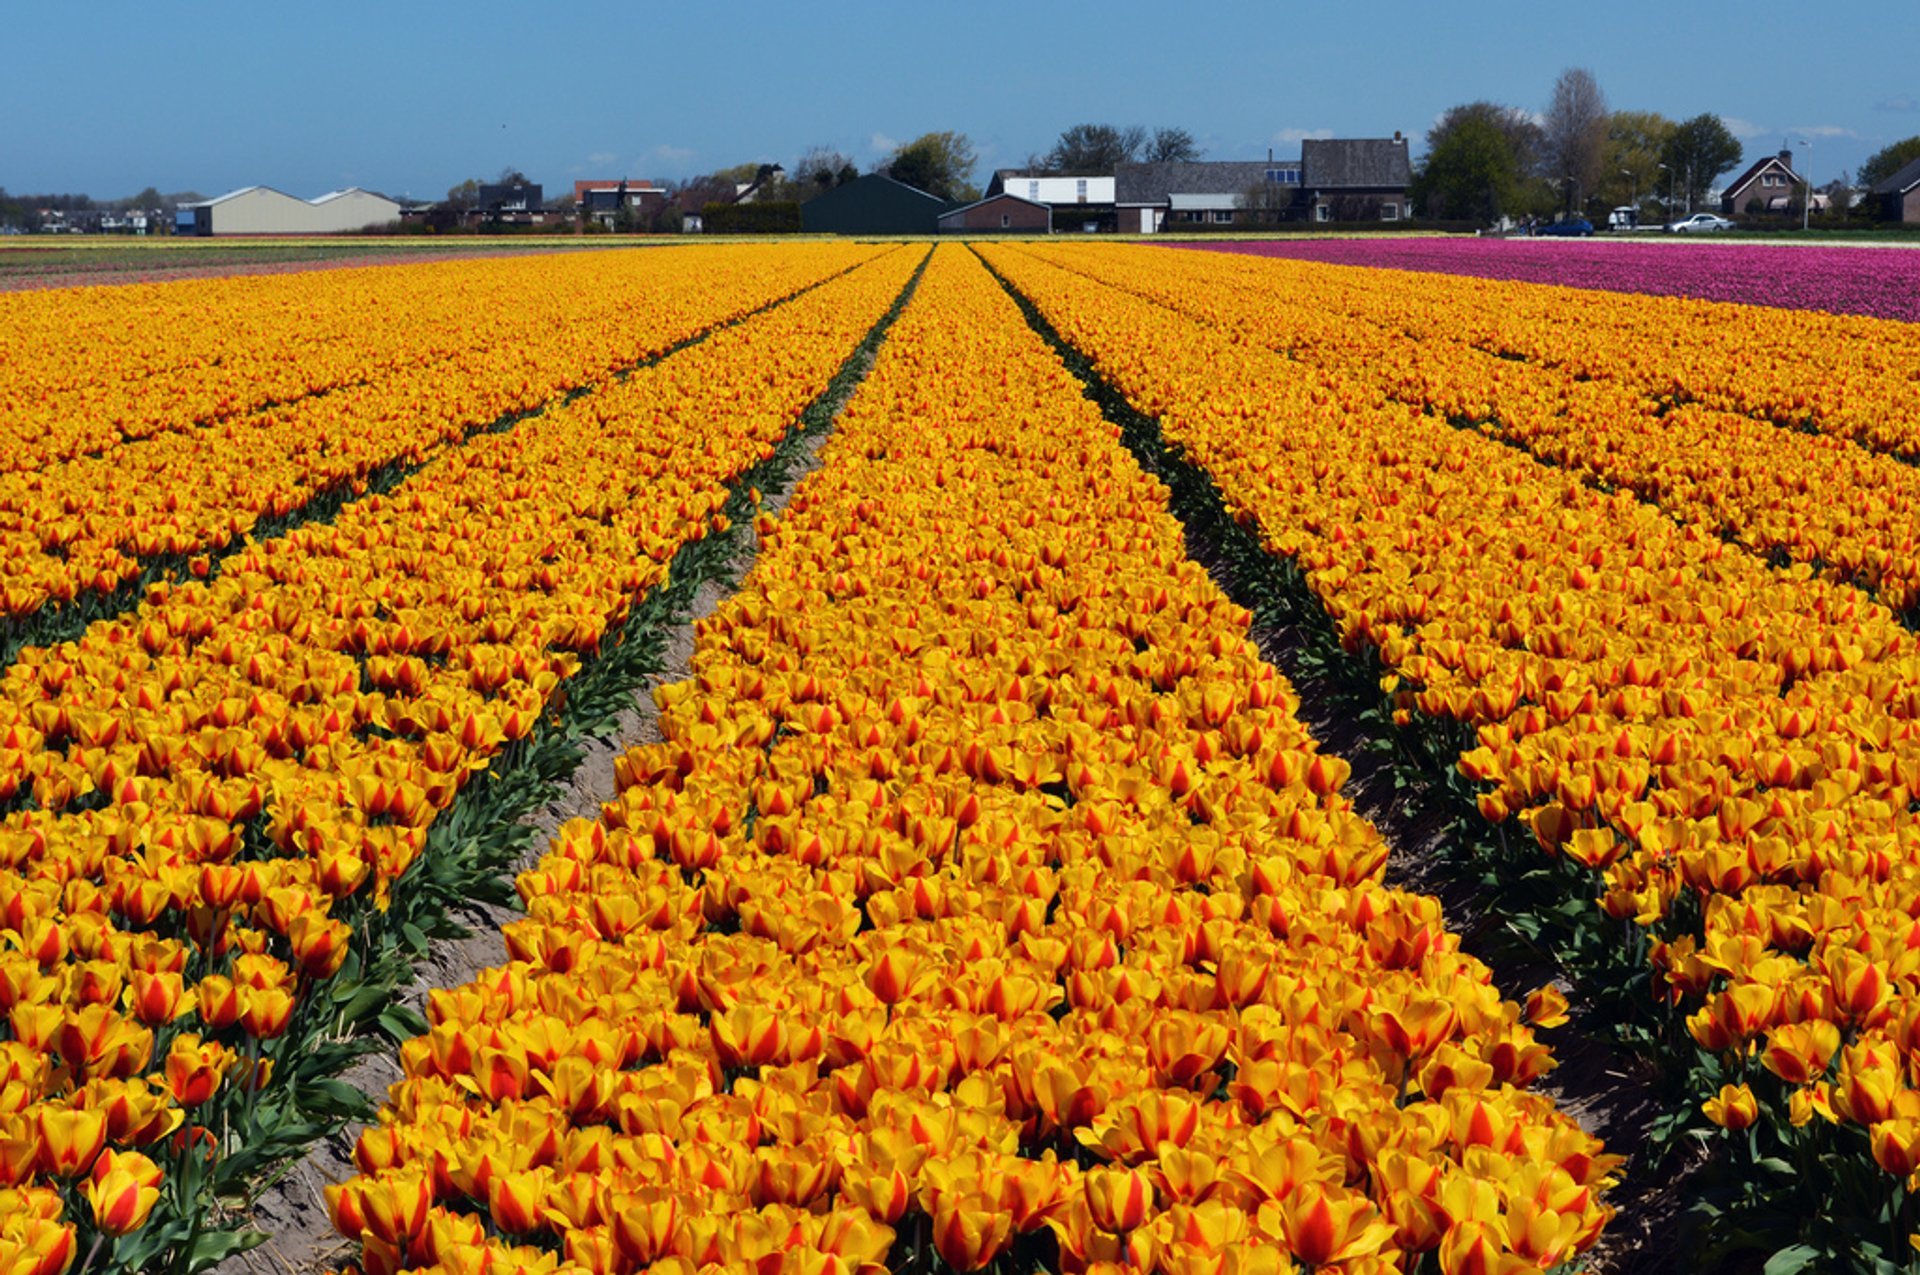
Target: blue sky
column 411, row 98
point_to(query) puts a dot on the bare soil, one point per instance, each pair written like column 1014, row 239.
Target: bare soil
column 293, row 1211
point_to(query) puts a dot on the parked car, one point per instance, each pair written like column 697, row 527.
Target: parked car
column 1571, row 226
column 1698, row 222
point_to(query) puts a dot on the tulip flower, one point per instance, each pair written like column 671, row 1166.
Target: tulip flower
column 122, row 1191
column 1733, row 1108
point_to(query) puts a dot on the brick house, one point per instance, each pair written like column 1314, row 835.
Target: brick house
column 1003, row 212
column 1335, row 179
column 603, row 200
column 1768, row 186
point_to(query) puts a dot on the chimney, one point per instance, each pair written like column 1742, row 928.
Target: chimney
column 1269, row 154
column 1786, row 157
column 1396, row 135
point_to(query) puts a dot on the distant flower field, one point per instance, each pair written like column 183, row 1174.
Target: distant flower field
column 1880, row 282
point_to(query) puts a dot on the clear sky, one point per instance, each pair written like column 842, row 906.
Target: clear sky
column 411, row 98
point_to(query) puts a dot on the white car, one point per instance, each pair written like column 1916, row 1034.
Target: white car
column 1699, row 221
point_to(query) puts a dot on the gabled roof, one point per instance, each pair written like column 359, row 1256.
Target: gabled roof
column 1901, row 182
column 1154, row 183
column 1334, row 163
column 871, row 178
column 1782, row 162
column 992, row 199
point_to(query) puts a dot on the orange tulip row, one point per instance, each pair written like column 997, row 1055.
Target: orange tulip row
column 93, row 523
column 985, row 896
column 1846, row 375
column 221, row 782
column 92, row 368
column 1655, row 704
column 1809, row 497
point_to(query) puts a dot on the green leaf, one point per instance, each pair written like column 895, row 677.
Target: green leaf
column 214, row 1247
column 1788, row 1261
column 401, row 1022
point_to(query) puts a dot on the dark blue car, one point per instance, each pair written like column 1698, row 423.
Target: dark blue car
column 1571, row 226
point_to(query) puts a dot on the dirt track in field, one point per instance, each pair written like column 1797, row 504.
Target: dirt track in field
column 301, row 1239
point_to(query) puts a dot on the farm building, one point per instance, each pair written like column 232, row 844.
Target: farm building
column 1355, row 178
column 873, row 205
column 998, row 212
column 1899, row 195
column 1335, row 179
column 262, row 210
column 1080, row 201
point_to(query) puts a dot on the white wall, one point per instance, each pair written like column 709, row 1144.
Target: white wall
column 1060, row 190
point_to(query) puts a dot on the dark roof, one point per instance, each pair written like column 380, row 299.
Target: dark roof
column 1153, row 183
column 1901, row 182
column 1753, row 171
column 874, row 204
column 993, row 199
column 1336, row 162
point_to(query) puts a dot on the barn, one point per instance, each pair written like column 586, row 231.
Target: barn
column 873, row 205
column 262, row 210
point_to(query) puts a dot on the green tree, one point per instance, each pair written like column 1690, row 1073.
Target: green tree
column 1171, row 146
column 465, row 195
column 1478, row 158
column 1096, row 148
column 1635, row 142
column 1887, row 161
column 1700, row 150
column 939, row 163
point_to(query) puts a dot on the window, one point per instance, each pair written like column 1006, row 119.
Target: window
column 1080, row 189
column 1033, row 191
column 1322, row 213
column 1223, row 216
column 1389, row 211
column 1284, row 176
column 1005, row 221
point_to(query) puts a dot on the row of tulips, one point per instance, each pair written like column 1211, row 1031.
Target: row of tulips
column 1732, row 751
column 984, row 905
column 1845, row 375
column 220, row 794
column 1838, row 279
column 92, row 368
column 492, row 347
column 1803, row 497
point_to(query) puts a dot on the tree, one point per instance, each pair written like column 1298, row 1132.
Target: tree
column 939, row 163
column 819, row 169
column 1096, row 148
column 1575, row 129
column 1172, row 146
column 1478, row 158
column 465, row 195
column 1700, row 150
column 1887, row 161
column 511, row 176
column 1630, row 166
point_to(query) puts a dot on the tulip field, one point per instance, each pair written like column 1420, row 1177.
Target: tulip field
column 980, row 898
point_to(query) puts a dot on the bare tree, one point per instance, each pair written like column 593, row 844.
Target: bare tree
column 1576, row 133
column 1172, row 145
column 1096, row 148
column 818, row 169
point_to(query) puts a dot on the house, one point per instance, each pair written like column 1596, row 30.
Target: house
column 519, row 203
column 1149, row 198
column 1335, row 179
column 1003, row 212
column 603, row 200
column 1081, row 202
column 1355, row 178
column 1899, row 195
column 1769, row 186
column 873, row 205
column 262, row 210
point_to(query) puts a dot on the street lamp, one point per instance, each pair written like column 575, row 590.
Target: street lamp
column 1635, row 179
column 1807, row 203
column 1670, row 176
